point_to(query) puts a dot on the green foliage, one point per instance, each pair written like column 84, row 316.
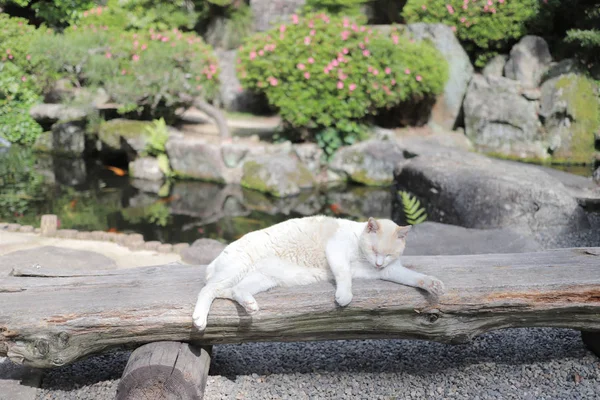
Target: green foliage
column 157, row 214
column 21, row 184
column 17, row 95
column 336, row 7
column 585, row 36
column 227, row 27
column 146, row 72
column 414, row 213
column 55, row 13
column 158, row 134
column 483, row 29
column 141, row 15
column 330, row 139
column 331, row 72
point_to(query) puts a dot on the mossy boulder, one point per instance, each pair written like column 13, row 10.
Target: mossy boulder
column 124, row 135
column 278, row 175
column 369, row 163
column 570, row 108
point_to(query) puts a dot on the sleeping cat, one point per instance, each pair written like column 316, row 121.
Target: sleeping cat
column 307, row 250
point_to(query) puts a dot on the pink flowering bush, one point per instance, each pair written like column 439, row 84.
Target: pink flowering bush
column 150, row 73
column 484, row 27
column 325, row 72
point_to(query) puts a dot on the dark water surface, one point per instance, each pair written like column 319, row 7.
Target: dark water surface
column 88, row 196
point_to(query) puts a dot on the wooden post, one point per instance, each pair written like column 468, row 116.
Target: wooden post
column 49, row 225
column 592, row 341
column 165, row 370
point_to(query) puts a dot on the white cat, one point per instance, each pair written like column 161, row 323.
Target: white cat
column 307, row 250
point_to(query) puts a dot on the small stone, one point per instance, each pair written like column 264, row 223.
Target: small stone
column 49, row 225
column 177, row 248
column 152, row 245
column 97, row 235
column 135, row 245
column 13, row 227
column 66, row 233
column 596, row 176
column 26, row 229
column 36, row 230
column 83, row 235
column 165, row 248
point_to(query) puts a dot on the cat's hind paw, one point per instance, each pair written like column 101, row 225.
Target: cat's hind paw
column 343, row 297
column 434, row 286
column 251, row 306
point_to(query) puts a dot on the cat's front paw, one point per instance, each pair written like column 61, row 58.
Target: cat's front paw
column 343, row 297
column 434, row 286
column 200, row 323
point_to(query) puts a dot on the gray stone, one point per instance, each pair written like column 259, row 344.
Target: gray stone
column 232, row 96
column 447, row 107
column 196, row 158
column 233, row 154
column 363, row 202
column 69, row 171
column 475, row 191
column 68, row 137
column 18, row 382
column 499, row 119
column 207, row 202
column 279, row 175
column 563, row 67
column 269, row 12
column 311, row 155
column 202, row 252
column 371, row 162
column 125, row 135
column 529, row 60
column 433, row 238
column 51, row 113
column 596, row 176
column 146, row 168
column 147, row 186
column 55, row 257
column 495, row 67
column 569, row 107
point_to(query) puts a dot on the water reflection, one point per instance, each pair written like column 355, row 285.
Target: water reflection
column 87, row 196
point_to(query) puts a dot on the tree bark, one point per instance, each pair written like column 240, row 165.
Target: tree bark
column 48, row 318
column 165, row 370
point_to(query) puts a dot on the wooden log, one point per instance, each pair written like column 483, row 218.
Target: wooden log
column 49, row 225
column 165, row 370
column 55, row 319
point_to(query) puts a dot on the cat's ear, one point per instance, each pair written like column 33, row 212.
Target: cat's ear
column 372, row 225
column 402, row 231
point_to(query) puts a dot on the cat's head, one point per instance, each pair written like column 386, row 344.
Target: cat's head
column 382, row 241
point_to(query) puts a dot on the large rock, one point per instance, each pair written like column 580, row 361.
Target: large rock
column 123, row 135
column 147, row 168
column 278, row 175
column 529, row 60
column 370, row 163
column 571, row 112
column 499, row 119
column 202, row 252
column 66, row 138
column 474, row 191
column 269, row 12
column 197, row 159
column 47, row 114
column 495, row 67
column 232, row 96
column 447, row 107
column 433, row 238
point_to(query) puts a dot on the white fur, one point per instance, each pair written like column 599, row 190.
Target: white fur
column 307, row 250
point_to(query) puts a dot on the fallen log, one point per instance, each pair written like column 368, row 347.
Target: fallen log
column 48, row 318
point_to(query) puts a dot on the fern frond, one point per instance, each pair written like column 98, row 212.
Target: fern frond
column 414, row 213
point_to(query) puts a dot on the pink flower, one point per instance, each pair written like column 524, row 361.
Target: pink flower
column 370, row 69
column 485, row 8
column 307, row 40
column 375, row 72
column 295, row 19
column 345, row 50
column 465, row 6
column 28, row 57
column 164, row 39
column 354, row 27
column 388, row 70
column 493, row 10
column 261, row 52
column 281, row 28
column 362, row 28
column 345, row 35
column 7, row 51
column 340, row 85
column 273, row 81
column 144, row 46
column 108, row 55
column 450, row 9
column 311, row 24
column 361, row 45
column 252, row 55
column 366, row 53
column 395, row 39
column 10, row 56
column 407, row 71
column 123, row 72
column 311, row 60
column 453, row 28
column 490, row 3
column 136, row 43
column 393, row 82
column 346, row 23
column 463, row 19
column 326, row 70
column 500, row 1
column 300, row 66
column 352, row 86
column 312, row 32
column 307, row 75
column 419, row 78
column 135, row 57
column 424, row 7
column 335, row 63
column 23, row 78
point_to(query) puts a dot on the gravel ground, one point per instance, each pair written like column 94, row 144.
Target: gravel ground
column 537, row 363
column 534, row 363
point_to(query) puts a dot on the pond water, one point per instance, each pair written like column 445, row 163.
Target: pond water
column 89, row 196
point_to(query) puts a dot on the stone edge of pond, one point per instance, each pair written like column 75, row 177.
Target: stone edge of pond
column 132, row 241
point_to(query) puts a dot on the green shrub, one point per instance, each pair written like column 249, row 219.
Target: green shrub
column 17, row 95
column 141, row 15
column 585, row 36
column 336, row 7
column 145, row 72
column 55, row 13
column 329, row 72
column 483, row 27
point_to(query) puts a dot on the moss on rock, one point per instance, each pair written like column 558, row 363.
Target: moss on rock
column 279, row 176
column 111, row 132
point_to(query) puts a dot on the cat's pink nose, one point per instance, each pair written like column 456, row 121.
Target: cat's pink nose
column 378, row 264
